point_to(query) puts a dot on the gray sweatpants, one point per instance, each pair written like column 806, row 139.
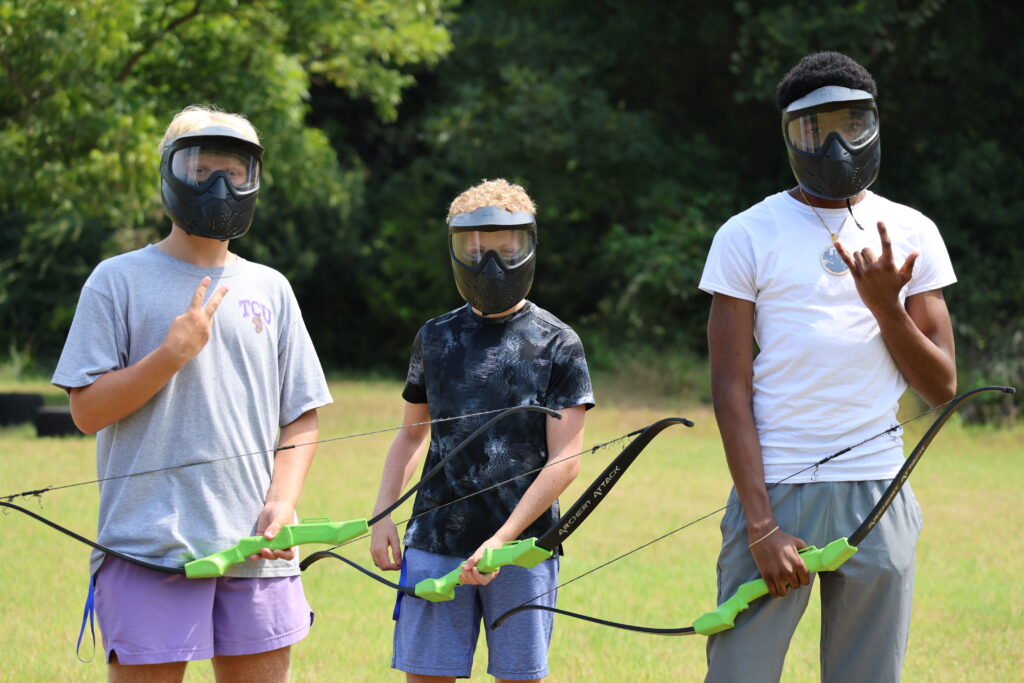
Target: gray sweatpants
column 865, row 610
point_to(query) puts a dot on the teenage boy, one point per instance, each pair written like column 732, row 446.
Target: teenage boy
column 844, row 318
column 497, row 351
column 182, row 351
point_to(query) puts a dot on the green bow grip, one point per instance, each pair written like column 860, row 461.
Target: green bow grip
column 313, row 530
column 723, row 618
column 525, row 553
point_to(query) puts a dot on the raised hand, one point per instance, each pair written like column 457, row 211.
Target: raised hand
column 190, row 331
column 878, row 280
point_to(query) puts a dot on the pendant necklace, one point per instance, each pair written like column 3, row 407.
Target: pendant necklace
column 831, row 261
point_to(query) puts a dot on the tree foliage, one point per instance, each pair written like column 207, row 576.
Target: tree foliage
column 88, row 87
column 639, row 127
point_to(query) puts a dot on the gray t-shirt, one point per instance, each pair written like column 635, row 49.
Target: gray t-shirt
column 258, row 372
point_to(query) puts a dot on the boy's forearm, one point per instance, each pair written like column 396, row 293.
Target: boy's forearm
column 922, row 346
column 292, row 465
column 731, row 351
column 538, row 498
column 735, row 417
column 565, row 441
column 117, row 394
column 399, row 466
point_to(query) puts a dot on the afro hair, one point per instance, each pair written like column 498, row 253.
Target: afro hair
column 819, row 69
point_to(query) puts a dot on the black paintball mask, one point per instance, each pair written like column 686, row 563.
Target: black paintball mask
column 209, row 182
column 832, row 137
column 493, row 254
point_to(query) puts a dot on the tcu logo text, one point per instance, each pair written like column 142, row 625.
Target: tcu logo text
column 257, row 312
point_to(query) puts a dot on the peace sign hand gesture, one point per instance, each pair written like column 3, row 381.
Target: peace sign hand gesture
column 190, row 331
column 878, row 280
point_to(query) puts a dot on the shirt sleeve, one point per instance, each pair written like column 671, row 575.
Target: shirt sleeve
column 415, row 390
column 303, row 385
column 97, row 341
column 570, row 384
column 933, row 268
column 730, row 268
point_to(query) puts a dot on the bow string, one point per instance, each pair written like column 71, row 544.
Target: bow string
column 291, row 534
column 828, row 558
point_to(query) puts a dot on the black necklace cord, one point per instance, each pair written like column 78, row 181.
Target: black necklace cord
column 849, row 208
column 869, row 523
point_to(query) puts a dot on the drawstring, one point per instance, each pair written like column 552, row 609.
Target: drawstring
column 88, row 614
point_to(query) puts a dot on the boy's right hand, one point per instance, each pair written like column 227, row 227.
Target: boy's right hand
column 384, row 537
column 190, row 331
column 780, row 564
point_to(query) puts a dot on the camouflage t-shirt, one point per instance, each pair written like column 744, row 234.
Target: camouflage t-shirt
column 463, row 363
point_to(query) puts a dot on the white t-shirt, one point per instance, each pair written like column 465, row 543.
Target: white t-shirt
column 823, row 377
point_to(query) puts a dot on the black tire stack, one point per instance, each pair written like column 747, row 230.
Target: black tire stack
column 55, row 421
column 18, row 409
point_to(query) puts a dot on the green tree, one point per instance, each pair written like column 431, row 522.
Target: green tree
column 87, row 87
column 641, row 126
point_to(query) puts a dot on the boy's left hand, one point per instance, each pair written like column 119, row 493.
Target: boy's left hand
column 272, row 518
column 470, row 575
column 878, row 280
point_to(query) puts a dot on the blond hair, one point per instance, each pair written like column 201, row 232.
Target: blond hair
column 499, row 192
column 196, row 117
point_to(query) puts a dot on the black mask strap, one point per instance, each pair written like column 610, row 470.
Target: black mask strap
column 850, row 209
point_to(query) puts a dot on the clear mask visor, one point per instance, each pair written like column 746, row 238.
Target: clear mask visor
column 195, row 165
column 513, row 247
column 856, row 124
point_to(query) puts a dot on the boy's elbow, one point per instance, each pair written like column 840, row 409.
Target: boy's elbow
column 944, row 393
column 572, row 470
column 86, row 422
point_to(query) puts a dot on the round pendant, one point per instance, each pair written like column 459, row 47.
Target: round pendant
column 832, row 262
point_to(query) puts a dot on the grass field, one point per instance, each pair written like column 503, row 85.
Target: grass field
column 969, row 604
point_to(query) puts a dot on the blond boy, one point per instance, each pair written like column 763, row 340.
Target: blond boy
column 183, row 351
column 497, row 351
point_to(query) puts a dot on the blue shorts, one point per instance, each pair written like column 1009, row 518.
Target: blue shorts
column 148, row 617
column 439, row 638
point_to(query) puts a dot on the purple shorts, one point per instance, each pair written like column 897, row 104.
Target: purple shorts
column 149, row 617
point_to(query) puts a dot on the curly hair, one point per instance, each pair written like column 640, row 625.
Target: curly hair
column 819, row 69
column 499, row 192
column 196, row 117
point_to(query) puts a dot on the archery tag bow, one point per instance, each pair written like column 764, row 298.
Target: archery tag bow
column 311, row 530
column 829, row 558
column 529, row 552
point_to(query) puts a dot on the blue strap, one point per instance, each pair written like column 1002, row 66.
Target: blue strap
column 401, row 581
column 87, row 615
